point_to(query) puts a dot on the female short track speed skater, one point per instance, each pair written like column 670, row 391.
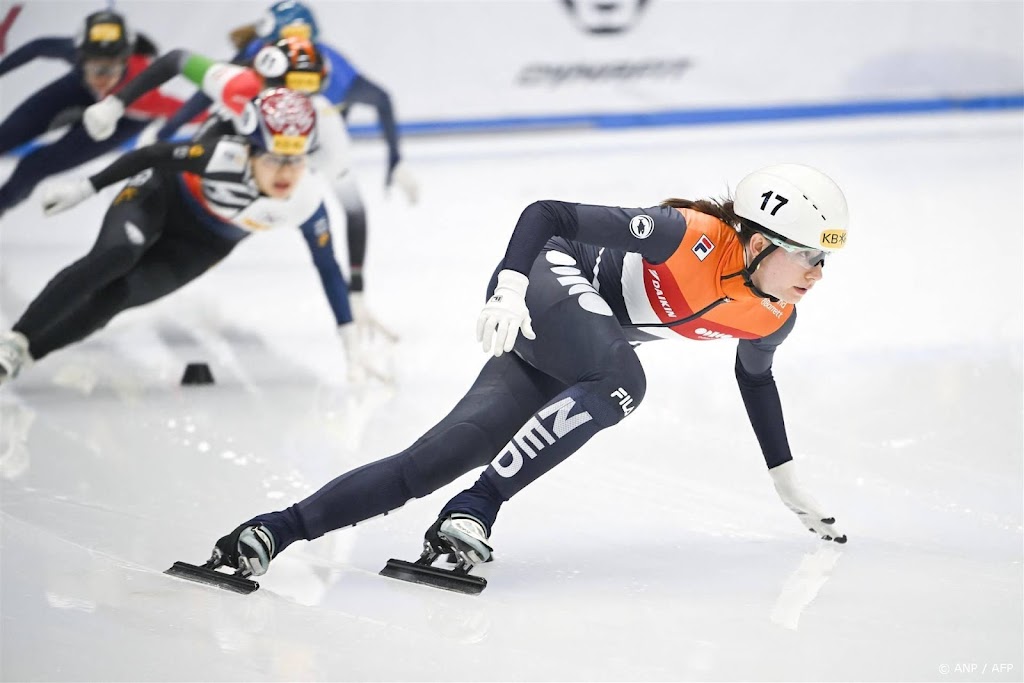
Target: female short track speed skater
column 186, row 207
column 292, row 62
column 104, row 56
column 583, row 283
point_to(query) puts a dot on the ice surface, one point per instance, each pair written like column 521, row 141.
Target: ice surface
column 659, row 552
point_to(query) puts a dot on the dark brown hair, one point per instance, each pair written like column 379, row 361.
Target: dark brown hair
column 722, row 209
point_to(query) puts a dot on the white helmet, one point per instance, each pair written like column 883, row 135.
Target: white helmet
column 796, row 202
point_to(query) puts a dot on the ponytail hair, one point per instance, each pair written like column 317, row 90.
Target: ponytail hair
column 723, row 210
column 243, row 35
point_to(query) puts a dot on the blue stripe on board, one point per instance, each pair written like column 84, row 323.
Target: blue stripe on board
column 689, row 117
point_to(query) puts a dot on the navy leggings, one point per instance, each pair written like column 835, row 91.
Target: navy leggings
column 526, row 412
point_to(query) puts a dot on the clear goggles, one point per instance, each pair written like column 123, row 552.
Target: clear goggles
column 805, row 256
column 103, row 69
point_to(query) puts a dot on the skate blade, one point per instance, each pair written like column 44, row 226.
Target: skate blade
column 212, row 577
column 451, row 559
column 427, row 575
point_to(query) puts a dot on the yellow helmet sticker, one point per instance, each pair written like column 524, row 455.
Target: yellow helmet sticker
column 195, row 151
column 296, row 30
column 288, row 144
column 833, row 239
column 104, row 33
column 302, row 81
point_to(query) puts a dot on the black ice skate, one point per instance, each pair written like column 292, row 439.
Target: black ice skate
column 459, row 535
column 246, row 551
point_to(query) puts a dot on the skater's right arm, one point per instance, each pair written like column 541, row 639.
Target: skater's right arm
column 164, row 156
column 61, row 194
column 764, row 408
column 52, row 48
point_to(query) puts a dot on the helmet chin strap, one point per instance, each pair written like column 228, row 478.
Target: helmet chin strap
column 748, row 272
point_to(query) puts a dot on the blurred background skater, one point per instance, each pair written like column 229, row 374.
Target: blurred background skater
column 184, row 209
column 292, row 62
column 344, row 86
column 104, row 56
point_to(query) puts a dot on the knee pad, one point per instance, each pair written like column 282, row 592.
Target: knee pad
column 618, row 388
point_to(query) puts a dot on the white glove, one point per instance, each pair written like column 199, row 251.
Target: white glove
column 505, row 314
column 805, row 507
column 61, row 194
column 366, row 323
column 101, row 119
column 359, row 367
column 404, row 179
column 148, row 135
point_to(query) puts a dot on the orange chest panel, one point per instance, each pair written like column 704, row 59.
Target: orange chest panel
column 694, row 285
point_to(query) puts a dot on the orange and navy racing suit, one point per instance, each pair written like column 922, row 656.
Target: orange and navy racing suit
column 601, row 279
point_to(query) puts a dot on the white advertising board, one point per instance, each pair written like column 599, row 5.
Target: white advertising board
column 460, row 61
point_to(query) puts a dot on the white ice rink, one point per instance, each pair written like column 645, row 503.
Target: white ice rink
column 659, row 552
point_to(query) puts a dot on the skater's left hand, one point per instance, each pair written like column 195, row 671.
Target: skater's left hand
column 803, row 504
column 400, row 175
column 61, row 194
column 366, row 322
